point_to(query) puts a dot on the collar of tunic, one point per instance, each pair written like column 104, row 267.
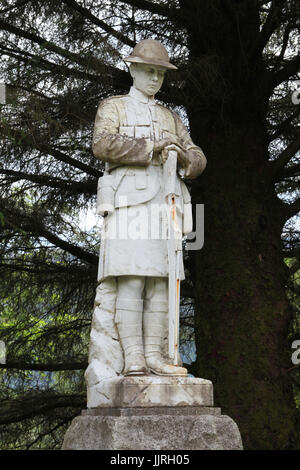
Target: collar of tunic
column 138, row 95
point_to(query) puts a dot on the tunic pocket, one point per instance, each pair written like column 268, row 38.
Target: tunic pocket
column 142, row 132
column 105, row 195
column 127, row 130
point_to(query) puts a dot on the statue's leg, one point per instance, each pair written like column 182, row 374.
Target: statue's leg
column 154, row 321
column 129, row 314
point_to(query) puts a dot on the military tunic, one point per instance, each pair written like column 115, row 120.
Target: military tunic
column 134, row 232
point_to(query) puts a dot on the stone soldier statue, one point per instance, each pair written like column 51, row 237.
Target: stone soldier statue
column 137, row 399
column 133, row 135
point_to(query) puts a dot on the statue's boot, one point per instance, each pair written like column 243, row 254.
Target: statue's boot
column 155, row 315
column 129, row 314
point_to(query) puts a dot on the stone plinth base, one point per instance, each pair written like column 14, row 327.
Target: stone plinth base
column 149, row 391
column 156, row 428
column 152, row 413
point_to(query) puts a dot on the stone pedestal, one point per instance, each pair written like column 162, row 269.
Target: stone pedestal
column 158, row 428
column 152, row 413
column 149, row 391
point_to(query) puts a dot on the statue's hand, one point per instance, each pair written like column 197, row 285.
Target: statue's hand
column 181, row 155
column 161, row 144
column 171, row 143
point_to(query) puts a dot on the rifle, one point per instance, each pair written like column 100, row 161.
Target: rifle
column 174, row 254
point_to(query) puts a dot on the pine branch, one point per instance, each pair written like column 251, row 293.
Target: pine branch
column 30, row 141
column 271, row 24
column 91, row 62
column 293, row 253
column 87, row 63
column 47, row 268
column 264, row 2
column 13, row 411
column 294, row 268
column 75, row 250
column 284, row 125
column 87, row 14
column 50, row 66
column 289, row 69
column 32, row 225
column 290, row 172
column 48, row 431
column 187, row 291
column 44, row 267
column 295, row 207
column 18, row 4
column 158, row 9
column 51, row 366
column 277, row 165
column 13, row 88
column 289, row 210
column 88, row 187
column 69, row 160
column 119, row 76
column 285, row 40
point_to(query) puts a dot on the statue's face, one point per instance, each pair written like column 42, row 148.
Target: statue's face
column 147, row 78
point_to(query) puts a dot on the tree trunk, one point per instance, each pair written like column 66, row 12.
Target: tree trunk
column 242, row 313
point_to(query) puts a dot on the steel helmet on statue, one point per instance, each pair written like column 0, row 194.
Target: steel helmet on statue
column 151, row 52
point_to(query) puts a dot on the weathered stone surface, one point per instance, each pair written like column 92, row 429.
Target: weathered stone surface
column 153, row 432
column 154, row 410
column 105, row 352
column 149, row 391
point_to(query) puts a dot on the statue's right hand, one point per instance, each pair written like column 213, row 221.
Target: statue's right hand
column 159, row 145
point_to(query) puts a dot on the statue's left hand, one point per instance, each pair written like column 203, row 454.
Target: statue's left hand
column 181, row 155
